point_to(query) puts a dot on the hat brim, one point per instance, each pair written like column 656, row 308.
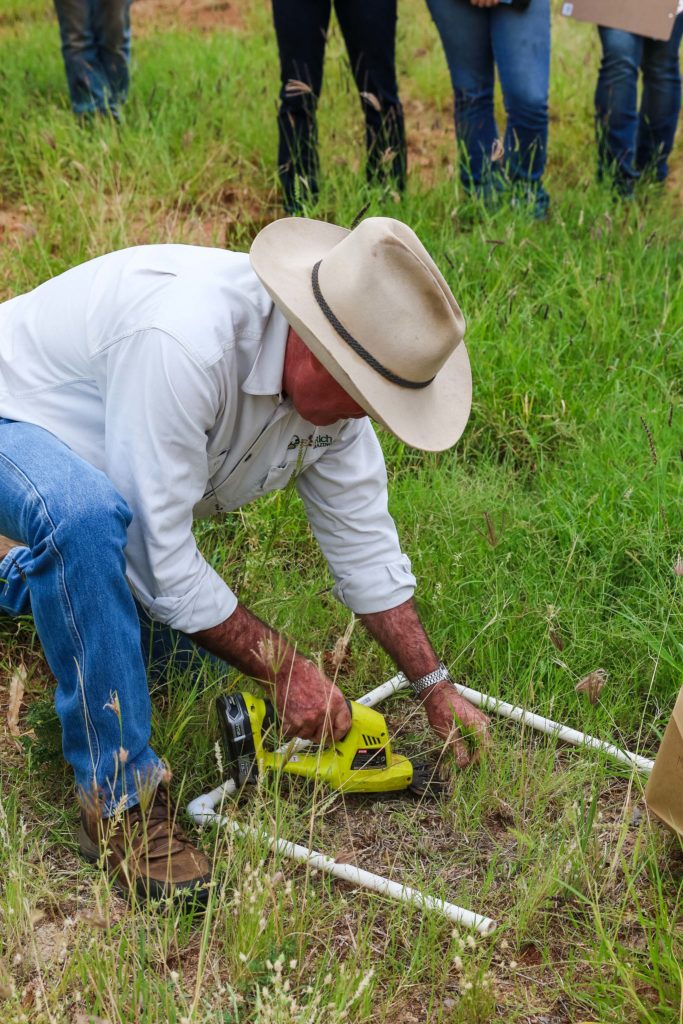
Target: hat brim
column 433, row 418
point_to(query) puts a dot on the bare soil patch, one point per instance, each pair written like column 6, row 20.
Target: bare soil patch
column 430, row 137
column 16, row 225
column 201, row 15
column 224, row 220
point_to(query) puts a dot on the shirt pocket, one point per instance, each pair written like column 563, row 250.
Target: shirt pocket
column 277, row 477
column 292, row 464
column 215, row 462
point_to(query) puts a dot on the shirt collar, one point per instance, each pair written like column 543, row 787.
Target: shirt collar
column 265, row 376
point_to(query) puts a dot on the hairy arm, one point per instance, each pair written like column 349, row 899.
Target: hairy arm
column 308, row 704
column 402, row 635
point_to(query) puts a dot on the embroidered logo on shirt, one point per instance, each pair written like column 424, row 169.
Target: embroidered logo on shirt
column 312, row 441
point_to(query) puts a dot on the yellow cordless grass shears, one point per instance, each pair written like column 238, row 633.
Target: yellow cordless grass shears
column 361, row 762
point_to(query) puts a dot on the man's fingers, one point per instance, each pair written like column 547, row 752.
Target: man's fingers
column 332, row 725
column 473, row 723
column 298, row 731
column 318, row 736
column 460, row 742
column 462, row 726
column 453, row 738
column 483, row 734
column 342, row 722
column 315, row 731
column 479, row 728
column 335, row 726
column 460, row 749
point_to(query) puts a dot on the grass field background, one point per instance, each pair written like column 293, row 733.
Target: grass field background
column 545, row 545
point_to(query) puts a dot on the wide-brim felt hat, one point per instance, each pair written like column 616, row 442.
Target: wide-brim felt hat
column 373, row 307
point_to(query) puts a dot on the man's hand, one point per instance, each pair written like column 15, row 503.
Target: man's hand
column 309, row 705
column 457, row 722
column 452, row 718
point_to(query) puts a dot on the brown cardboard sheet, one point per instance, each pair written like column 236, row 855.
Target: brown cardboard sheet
column 664, row 790
column 652, row 18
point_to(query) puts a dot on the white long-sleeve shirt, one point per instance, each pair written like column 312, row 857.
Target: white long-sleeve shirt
column 162, row 366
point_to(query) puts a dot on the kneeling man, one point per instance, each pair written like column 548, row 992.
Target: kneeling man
column 163, row 383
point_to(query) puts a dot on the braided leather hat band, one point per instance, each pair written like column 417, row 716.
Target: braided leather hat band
column 356, row 345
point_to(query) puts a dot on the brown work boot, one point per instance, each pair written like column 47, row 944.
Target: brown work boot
column 6, row 546
column 146, row 850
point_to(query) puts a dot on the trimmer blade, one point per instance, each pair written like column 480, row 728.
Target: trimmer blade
column 426, row 782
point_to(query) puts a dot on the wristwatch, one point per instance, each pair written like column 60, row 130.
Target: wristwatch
column 437, row 676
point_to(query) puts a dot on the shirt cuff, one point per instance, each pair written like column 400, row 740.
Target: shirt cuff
column 377, row 588
column 201, row 607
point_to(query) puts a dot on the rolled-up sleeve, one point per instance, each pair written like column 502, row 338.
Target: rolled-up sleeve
column 345, row 495
column 159, row 406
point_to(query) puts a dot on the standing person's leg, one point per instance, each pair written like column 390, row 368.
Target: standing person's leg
column 616, row 107
column 661, row 102
column 369, row 31
column 466, row 37
column 521, row 48
column 71, row 572
column 301, row 30
column 85, row 75
column 111, row 27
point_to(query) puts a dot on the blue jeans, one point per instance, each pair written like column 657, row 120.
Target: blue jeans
column 369, row 30
column 632, row 141
column 96, row 49
column 70, row 574
column 475, row 39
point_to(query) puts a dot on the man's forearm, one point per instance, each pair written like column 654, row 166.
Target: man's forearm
column 308, row 704
column 402, row 635
column 250, row 646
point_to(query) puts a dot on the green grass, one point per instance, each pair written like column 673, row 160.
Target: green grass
column 544, row 544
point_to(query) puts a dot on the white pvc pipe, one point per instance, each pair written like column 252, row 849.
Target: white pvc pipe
column 365, row 879
column 546, row 725
column 537, row 722
column 202, row 809
column 380, row 693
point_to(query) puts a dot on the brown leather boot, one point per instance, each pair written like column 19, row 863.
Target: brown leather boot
column 146, row 850
column 6, row 546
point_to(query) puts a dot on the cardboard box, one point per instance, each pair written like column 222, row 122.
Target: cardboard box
column 664, row 790
column 652, row 18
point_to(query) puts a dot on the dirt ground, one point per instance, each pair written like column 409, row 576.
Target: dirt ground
column 16, row 225
column 202, row 15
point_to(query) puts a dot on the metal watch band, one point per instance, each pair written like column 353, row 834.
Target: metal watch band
column 437, row 676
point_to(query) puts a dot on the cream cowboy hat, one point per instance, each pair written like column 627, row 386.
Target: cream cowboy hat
column 373, row 307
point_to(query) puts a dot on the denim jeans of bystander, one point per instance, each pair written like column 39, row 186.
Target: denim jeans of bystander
column 96, row 44
column 477, row 41
column 634, row 141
